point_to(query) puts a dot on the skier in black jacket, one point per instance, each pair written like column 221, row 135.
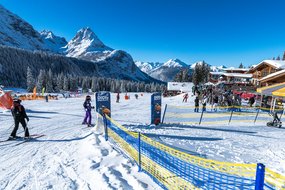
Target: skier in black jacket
column 19, row 115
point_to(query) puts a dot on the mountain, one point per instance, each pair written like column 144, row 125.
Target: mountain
column 101, row 59
column 55, row 43
column 16, row 32
column 147, row 66
column 167, row 71
column 86, row 45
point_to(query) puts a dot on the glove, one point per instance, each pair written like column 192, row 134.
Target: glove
column 92, row 107
column 28, row 119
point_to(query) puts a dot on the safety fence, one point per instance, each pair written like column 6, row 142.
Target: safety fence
column 173, row 169
column 218, row 115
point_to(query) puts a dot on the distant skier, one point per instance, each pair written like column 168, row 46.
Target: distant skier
column 196, row 109
column 137, row 96
column 185, row 97
column 87, row 106
column 19, row 115
column 251, row 100
column 118, row 97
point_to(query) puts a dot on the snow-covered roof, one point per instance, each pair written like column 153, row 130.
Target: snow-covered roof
column 279, row 64
column 236, row 69
column 240, row 75
column 273, row 75
column 216, row 73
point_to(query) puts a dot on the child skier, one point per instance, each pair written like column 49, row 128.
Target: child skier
column 87, row 106
column 19, row 115
column 185, row 97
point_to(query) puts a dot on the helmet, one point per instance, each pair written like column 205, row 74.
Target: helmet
column 88, row 97
column 17, row 101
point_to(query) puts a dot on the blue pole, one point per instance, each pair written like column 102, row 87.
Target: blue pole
column 201, row 116
column 139, row 139
column 105, row 127
column 259, row 180
column 164, row 113
column 231, row 115
column 256, row 115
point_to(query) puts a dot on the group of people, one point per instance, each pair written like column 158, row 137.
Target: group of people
column 216, row 97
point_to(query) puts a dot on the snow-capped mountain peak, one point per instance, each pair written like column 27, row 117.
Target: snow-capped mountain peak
column 175, row 63
column 85, row 41
column 54, row 42
column 147, row 66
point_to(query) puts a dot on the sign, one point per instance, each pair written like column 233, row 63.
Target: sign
column 103, row 103
column 155, row 108
column 180, row 86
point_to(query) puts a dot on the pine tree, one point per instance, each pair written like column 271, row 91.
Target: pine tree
column 30, row 80
column 41, row 83
column 283, row 58
column 278, row 58
column 241, row 66
column 49, row 83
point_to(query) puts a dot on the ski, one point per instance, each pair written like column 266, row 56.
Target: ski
column 32, row 137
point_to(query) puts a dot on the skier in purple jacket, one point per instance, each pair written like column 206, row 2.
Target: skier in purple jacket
column 87, row 106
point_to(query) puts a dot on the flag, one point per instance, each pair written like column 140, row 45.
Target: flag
column 6, row 100
column 35, row 92
column 43, row 91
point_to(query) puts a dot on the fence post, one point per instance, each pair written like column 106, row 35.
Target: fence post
column 231, row 115
column 259, row 180
column 105, row 127
column 164, row 113
column 256, row 115
column 201, row 117
column 139, row 139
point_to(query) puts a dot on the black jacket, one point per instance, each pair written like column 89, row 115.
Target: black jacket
column 19, row 113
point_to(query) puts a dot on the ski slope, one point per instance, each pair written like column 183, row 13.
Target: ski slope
column 69, row 156
column 72, row 156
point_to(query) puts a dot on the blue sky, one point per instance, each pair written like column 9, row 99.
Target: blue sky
column 220, row 32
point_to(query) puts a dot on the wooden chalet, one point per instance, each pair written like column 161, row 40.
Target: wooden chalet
column 268, row 72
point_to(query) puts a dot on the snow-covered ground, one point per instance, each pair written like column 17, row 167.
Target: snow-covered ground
column 72, row 156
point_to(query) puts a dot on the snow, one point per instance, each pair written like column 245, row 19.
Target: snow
column 174, row 63
column 147, row 67
column 279, row 64
column 238, row 75
column 72, row 156
column 85, row 41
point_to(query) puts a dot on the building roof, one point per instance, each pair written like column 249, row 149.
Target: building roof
column 236, row 69
column 277, row 64
column 239, row 75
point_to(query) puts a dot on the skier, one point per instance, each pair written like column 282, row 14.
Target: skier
column 87, row 106
column 118, row 97
column 19, row 115
column 251, row 100
column 196, row 104
column 185, row 97
column 137, row 96
column 216, row 101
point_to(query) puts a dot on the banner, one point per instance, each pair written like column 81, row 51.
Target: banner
column 103, row 103
column 6, row 100
column 34, row 92
column 43, row 91
column 155, row 108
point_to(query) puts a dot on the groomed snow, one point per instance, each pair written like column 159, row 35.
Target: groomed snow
column 72, row 156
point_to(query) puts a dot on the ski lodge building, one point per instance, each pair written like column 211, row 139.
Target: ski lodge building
column 268, row 72
column 231, row 76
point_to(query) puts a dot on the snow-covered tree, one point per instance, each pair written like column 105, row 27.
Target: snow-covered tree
column 31, row 82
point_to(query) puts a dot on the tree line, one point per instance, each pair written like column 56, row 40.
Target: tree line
column 198, row 75
column 25, row 69
column 62, row 82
